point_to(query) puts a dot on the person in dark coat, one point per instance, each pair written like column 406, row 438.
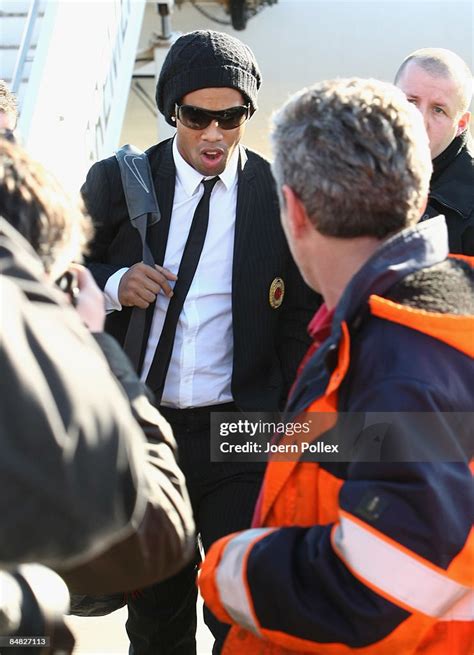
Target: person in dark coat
column 241, row 330
column 440, row 84
column 88, row 468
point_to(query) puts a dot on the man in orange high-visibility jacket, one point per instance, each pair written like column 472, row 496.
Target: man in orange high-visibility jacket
column 373, row 556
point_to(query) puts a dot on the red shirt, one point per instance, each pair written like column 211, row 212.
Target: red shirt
column 319, row 330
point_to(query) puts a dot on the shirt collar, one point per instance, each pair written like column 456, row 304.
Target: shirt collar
column 190, row 178
column 319, row 327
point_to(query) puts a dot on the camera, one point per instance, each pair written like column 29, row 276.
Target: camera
column 68, row 285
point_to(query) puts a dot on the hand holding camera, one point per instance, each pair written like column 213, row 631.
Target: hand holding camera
column 84, row 294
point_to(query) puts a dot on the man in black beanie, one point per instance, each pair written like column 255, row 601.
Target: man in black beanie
column 226, row 309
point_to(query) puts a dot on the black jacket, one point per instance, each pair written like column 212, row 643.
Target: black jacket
column 452, row 193
column 268, row 343
column 82, row 491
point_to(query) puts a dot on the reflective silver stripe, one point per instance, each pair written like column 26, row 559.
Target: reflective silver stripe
column 230, row 578
column 395, row 572
column 463, row 610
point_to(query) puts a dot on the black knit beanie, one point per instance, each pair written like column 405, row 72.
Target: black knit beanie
column 204, row 59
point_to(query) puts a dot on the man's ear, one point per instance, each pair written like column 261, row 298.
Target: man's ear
column 297, row 218
column 463, row 122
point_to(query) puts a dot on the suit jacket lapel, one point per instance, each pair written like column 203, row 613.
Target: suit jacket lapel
column 243, row 215
column 163, row 173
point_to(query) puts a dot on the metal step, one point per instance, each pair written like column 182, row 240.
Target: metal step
column 16, row 6
column 12, row 29
column 13, row 17
column 14, row 47
column 17, row 14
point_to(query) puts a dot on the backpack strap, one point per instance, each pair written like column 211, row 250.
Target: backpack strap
column 143, row 211
column 139, row 191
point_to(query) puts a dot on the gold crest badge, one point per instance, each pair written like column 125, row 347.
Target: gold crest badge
column 276, row 293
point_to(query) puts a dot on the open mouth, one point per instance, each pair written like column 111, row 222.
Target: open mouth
column 212, row 157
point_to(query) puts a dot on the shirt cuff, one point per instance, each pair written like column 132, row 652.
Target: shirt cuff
column 112, row 302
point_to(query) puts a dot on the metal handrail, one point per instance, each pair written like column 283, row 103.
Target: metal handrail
column 25, row 45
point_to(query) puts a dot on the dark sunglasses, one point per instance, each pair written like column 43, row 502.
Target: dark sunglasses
column 198, row 119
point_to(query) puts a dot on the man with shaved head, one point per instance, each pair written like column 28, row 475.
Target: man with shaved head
column 440, row 84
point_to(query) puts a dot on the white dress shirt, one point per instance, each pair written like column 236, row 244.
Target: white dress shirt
column 200, row 369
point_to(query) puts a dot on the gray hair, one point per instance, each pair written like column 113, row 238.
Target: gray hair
column 440, row 62
column 356, row 154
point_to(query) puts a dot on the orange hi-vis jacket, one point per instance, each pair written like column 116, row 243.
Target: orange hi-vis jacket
column 369, row 557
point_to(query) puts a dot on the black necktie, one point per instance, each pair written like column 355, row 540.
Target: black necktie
column 189, row 261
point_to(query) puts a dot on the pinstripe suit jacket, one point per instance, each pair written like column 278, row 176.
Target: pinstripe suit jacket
column 268, row 343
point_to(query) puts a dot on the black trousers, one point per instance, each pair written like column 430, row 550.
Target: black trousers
column 162, row 618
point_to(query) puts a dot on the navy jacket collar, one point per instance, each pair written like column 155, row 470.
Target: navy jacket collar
column 408, row 251
column 411, row 250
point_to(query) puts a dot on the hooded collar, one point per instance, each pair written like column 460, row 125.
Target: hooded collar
column 407, row 252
